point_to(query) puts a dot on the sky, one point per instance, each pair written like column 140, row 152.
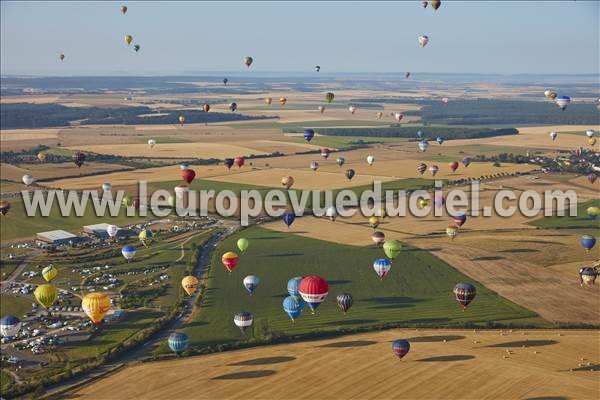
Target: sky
column 504, row 37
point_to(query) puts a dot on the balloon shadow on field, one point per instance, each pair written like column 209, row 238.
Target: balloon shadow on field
column 548, row 398
column 458, row 357
column 519, row 251
column 264, row 361
column 432, row 339
column 339, row 282
column 268, row 238
column 350, row 322
column 351, row 343
column 284, row 255
column 245, row 375
column 392, row 302
column 488, row 258
column 526, row 343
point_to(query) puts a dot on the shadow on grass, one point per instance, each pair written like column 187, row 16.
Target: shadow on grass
column 432, row 339
column 268, row 238
column 526, row 343
column 339, row 282
column 283, row 255
column 393, row 302
column 264, row 361
column 351, row 343
column 245, row 375
column 350, row 322
column 458, row 357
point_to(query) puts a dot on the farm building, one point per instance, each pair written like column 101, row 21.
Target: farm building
column 99, row 230
column 56, row 238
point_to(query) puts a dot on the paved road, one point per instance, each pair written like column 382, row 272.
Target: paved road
column 18, row 271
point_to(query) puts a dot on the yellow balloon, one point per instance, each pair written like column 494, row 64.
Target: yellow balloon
column 42, row 156
column 423, row 203
column 190, row 284
column 96, row 305
column 128, row 39
column 46, row 295
column 181, row 119
column 374, row 221
column 381, row 213
column 49, row 273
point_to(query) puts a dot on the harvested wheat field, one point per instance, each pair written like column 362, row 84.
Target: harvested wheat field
column 43, row 171
column 441, row 364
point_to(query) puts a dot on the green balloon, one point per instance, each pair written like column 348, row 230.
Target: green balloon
column 127, row 201
column 242, row 244
column 172, row 201
column 392, row 248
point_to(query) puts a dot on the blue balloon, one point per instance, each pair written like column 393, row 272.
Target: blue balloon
column 419, row 134
column 587, row 242
column 309, row 134
column 128, row 252
column 293, row 306
column 178, row 342
column 289, row 218
column 293, row 285
column 439, row 139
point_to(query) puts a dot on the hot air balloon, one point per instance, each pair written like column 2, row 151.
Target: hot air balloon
column 424, row 4
column 423, row 145
column 180, row 191
column 233, row 106
column 282, row 101
column 453, row 166
column 438, row 201
column 178, row 342
column 41, row 156
column 562, row 102
column 317, row 68
column 287, row 182
column 189, row 284
column 392, row 248
column 136, row 204
column 400, row 347
column 420, row 134
column 313, row 289
column 250, row 283
column 592, row 141
column 62, row 56
column 459, row 220
column 379, row 115
column 181, row 120
column 46, row 295
column 423, row 203
column 547, row 93
column 587, row 242
column 239, row 161
column 398, row 116
column 374, row 221
column 382, row 266
column 553, row 135
column 230, row 260
column 587, row 276
column 9, row 326
column 434, row 170
column 225, row 80
column 344, row 301
column 331, row 213
column 314, row 165
column 329, row 97
column 339, row 161
column 293, row 285
column 146, row 237
column 78, row 158
column 309, row 134
column 128, row 39
column 128, row 252
column 4, row 207
column 49, row 273
column 439, row 140
column 243, row 244
column 288, row 219
column 127, row 201
column 188, row 175
column 350, row 174
column 112, row 230
column 123, row 9
column 435, row 4
column 590, row 133
column 183, row 166
column 106, row 187
column 96, row 305
column 206, row 107
column 269, row 100
column 464, row 294
column 28, row 180
column 352, row 109
column 378, row 238
column 593, row 212
column 466, row 161
column 445, row 101
column 381, row 213
column 325, row 153
column 423, row 40
column 421, row 168
column 321, row 109
column 370, row 159
column 293, row 306
column 248, row 61
column 228, row 162
column 136, row 48
column 407, row 75
column 243, row 320
column 452, row 231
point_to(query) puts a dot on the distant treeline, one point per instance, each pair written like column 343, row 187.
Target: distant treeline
column 497, row 112
column 27, row 115
column 429, row 132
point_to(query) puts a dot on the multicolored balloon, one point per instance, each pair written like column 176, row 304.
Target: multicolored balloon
column 9, row 326
column 251, row 283
column 190, row 284
column 309, row 134
column 313, row 289
column 464, row 294
column 453, row 166
column 287, row 182
column 350, row 174
column 239, row 161
column 146, row 237
column 459, row 220
column 423, row 40
column 96, row 305
column 423, row 145
column 452, row 231
column 434, row 170
column 466, row 161
column 243, row 320
column 553, row 135
column 178, row 342
column 325, row 153
column 128, row 252
column 4, row 207
column 439, row 140
column 293, row 285
column 374, row 221
column 587, row 242
column 382, row 267
column 400, row 347
column 248, row 61
column 329, row 96
column 314, row 165
column 344, row 301
column 587, row 276
column 562, row 102
column 340, row 161
column 230, row 260
column 421, row 168
column 49, row 273
column 378, row 238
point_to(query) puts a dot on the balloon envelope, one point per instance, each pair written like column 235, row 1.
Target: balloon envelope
column 49, row 273
column 293, row 285
column 189, row 284
column 178, row 342
column 392, row 248
column 46, row 295
column 313, row 290
column 96, row 305
column 9, row 326
column 293, row 306
column 250, row 283
column 400, row 347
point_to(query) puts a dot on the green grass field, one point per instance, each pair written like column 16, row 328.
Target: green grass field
column 308, row 124
column 416, row 292
column 5, row 381
column 14, row 305
column 580, row 224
